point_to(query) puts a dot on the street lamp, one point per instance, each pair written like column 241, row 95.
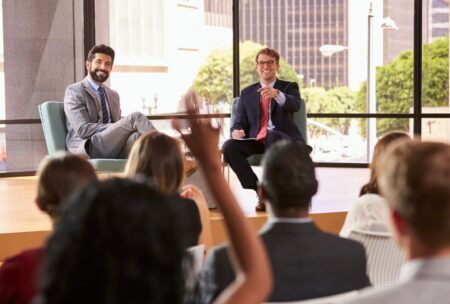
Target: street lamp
column 328, row 50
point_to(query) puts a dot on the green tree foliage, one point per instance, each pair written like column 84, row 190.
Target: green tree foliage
column 215, row 77
column 394, row 85
column 336, row 100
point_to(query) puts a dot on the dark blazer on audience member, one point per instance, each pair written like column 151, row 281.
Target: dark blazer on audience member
column 189, row 220
column 306, row 263
column 248, row 110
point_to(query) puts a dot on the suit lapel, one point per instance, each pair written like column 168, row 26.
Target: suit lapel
column 113, row 105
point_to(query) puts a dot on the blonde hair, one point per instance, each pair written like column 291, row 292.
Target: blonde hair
column 159, row 157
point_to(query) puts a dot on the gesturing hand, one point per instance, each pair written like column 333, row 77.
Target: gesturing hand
column 268, row 92
column 204, row 138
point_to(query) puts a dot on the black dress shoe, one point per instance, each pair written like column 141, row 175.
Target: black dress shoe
column 260, row 206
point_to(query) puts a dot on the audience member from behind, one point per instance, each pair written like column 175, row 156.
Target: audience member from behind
column 59, row 177
column 306, row 262
column 367, row 221
column 370, row 212
column 158, row 157
column 254, row 279
column 116, row 242
column 415, row 179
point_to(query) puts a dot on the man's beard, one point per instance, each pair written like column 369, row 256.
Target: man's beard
column 98, row 78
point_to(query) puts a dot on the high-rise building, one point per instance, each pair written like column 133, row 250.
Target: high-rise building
column 435, row 21
column 297, row 29
column 218, row 13
column 438, row 25
column 396, row 41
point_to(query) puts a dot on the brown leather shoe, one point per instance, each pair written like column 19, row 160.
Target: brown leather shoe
column 260, row 206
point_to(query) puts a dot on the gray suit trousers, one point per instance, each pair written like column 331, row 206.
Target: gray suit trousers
column 118, row 138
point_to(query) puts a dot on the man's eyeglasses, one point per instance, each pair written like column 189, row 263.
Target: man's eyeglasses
column 268, row 62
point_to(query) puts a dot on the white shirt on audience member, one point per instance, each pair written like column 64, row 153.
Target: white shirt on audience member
column 369, row 214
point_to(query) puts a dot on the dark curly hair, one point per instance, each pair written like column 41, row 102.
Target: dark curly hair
column 102, row 49
column 115, row 242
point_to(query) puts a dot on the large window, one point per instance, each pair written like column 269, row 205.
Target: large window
column 335, row 51
column 356, row 89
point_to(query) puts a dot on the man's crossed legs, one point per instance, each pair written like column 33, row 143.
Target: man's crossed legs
column 116, row 140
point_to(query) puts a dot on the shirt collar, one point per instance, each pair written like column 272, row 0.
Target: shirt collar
column 93, row 84
column 290, row 220
column 412, row 268
column 270, row 84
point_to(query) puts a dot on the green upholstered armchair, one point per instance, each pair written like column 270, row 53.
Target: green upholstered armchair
column 53, row 122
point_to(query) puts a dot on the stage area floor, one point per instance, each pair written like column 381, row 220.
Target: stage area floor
column 23, row 226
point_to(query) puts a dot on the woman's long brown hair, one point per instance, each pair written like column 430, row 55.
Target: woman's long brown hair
column 157, row 156
column 380, row 148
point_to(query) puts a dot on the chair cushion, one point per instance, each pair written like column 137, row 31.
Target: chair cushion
column 108, row 165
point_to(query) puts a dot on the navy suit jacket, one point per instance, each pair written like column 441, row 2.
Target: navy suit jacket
column 248, row 110
column 306, row 263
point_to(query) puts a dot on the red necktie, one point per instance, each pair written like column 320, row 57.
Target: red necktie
column 264, row 119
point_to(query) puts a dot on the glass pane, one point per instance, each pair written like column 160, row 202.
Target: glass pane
column 324, row 46
column 163, row 49
column 435, row 63
column 436, row 129
column 21, row 147
column 349, row 139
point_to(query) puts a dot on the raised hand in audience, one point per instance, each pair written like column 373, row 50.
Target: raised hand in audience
column 253, row 274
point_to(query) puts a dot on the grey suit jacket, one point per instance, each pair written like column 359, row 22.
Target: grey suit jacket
column 422, row 282
column 84, row 112
column 306, row 263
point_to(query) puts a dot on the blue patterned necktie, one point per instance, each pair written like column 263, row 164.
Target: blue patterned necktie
column 105, row 118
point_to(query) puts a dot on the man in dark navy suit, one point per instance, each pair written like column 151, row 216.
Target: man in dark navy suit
column 264, row 115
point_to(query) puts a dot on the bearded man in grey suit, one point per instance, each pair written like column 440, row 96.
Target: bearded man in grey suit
column 306, row 262
column 93, row 115
column 415, row 180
